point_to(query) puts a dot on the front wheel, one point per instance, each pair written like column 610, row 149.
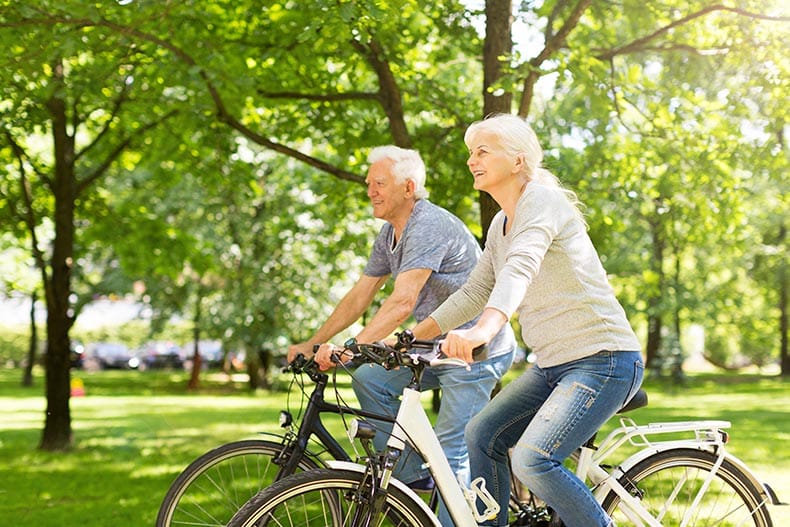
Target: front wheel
column 330, row 498
column 214, row 486
column 668, row 483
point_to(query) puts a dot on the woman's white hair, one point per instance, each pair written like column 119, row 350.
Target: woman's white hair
column 406, row 164
column 516, row 137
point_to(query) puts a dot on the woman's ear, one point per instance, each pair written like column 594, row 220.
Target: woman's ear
column 519, row 164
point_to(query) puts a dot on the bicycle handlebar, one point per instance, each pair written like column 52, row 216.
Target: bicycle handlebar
column 302, row 364
column 408, row 352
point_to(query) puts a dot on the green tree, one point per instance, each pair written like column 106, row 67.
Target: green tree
column 62, row 112
column 636, row 117
column 206, row 147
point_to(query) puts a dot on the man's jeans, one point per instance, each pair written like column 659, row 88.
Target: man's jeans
column 464, row 393
column 544, row 415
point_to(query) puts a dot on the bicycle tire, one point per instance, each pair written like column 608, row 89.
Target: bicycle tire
column 328, row 497
column 666, row 483
column 214, row 486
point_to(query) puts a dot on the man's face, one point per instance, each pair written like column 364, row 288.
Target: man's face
column 388, row 197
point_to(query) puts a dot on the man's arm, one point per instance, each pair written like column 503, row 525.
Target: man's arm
column 346, row 312
column 397, row 307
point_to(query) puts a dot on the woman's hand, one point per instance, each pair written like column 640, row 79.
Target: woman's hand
column 459, row 343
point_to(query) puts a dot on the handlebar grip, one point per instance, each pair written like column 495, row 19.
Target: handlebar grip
column 480, row 352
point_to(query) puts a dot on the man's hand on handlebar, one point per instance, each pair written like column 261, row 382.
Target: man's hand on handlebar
column 328, row 356
column 305, row 348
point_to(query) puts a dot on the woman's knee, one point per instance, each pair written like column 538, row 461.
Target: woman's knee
column 476, row 433
column 484, row 436
column 529, row 462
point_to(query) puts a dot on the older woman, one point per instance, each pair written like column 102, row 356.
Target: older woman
column 540, row 264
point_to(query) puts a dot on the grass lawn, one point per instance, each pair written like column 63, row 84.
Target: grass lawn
column 135, row 431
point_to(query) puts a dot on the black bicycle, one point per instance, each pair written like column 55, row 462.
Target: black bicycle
column 215, row 485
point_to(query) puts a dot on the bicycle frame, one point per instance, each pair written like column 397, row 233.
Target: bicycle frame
column 412, row 424
column 312, row 425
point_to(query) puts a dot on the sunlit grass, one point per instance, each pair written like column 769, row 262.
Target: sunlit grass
column 135, row 431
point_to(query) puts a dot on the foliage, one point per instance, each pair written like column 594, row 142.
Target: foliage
column 208, row 156
column 14, row 343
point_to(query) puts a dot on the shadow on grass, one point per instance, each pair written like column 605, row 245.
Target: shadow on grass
column 135, row 431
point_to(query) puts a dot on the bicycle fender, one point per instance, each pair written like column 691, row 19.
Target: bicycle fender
column 766, row 490
column 626, row 465
column 356, row 467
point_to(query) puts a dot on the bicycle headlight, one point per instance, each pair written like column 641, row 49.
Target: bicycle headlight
column 286, row 419
column 360, row 429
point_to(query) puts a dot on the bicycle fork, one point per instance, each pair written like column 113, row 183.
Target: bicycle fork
column 371, row 494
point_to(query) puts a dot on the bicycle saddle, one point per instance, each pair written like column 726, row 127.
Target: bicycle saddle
column 637, row 401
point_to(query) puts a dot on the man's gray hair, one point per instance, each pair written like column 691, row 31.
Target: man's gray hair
column 406, row 164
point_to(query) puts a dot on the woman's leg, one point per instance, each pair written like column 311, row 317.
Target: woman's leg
column 586, row 393
column 464, row 394
column 493, row 431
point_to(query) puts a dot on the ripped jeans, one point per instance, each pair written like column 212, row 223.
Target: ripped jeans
column 544, row 415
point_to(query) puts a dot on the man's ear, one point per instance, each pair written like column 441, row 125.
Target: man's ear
column 410, row 187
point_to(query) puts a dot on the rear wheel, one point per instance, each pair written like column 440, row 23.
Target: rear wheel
column 668, row 483
column 214, row 486
column 330, row 498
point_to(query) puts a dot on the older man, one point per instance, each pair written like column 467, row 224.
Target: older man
column 429, row 253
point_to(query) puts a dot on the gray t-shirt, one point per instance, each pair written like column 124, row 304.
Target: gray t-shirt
column 437, row 240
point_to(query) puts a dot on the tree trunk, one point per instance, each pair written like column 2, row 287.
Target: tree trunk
column 784, row 358
column 197, row 360
column 654, row 329
column 57, row 428
column 498, row 42
column 27, row 375
column 655, row 324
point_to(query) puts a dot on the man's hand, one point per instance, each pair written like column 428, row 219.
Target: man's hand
column 324, row 356
column 305, row 348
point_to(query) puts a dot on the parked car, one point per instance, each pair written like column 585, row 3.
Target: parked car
column 160, row 355
column 211, row 353
column 109, row 355
column 77, row 355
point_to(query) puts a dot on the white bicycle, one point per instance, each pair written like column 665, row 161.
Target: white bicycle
column 669, row 481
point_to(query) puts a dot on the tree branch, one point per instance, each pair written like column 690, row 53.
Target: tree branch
column 222, row 112
column 28, row 216
column 113, row 155
column 106, row 128
column 332, row 97
column 554, row 41
column 640, row 44
column 389, row 93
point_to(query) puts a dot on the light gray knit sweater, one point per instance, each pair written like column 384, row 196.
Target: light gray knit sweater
column 547, row 270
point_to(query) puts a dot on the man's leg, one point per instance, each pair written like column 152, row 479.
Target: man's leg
column 379, row 390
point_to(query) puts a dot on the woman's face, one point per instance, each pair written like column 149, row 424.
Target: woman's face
column 490, row 165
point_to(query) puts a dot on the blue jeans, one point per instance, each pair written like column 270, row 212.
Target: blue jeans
column 544, row 415
column 464, row 393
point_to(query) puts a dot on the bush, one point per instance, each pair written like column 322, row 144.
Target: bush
column 14, row 343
